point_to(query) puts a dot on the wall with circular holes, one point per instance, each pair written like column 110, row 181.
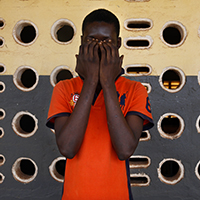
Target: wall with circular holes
column 161, row 44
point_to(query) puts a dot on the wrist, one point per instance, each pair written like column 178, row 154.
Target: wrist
column 91, row 82
column 108, row 85
column 107, row 82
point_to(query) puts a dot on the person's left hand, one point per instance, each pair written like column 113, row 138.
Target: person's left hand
column 110, row 63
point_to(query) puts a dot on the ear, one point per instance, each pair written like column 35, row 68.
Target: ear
column 119, row 42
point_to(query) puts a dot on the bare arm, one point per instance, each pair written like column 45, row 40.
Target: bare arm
column 124, row 133
column 70, row 130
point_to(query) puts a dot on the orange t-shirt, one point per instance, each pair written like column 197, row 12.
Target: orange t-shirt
column 96, row 173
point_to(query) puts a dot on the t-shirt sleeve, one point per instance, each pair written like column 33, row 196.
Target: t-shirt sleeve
column 140, row 105
column 59, row 105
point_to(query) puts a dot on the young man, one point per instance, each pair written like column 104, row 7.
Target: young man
column 99, row 116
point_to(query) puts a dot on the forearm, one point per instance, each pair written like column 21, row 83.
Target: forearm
column 71, row 133
column 123, row 139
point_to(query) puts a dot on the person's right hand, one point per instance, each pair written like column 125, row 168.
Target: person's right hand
column 87, row 64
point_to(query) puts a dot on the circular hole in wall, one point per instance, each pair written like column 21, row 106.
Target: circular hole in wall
column 60, row 167
column 173, row 34
column 24, row 170
column 2, row 23
column 172, row 79
column 170, row 171
column 197, row 170
column 2, row 160
column 1, row 42
column 61, row 73
column 2, row 68
column 1, row 132
column 25, row 124
column 170, row 126
column 2, row 87
column 2, row 114
column 25, row 78
column 63, row 31
column 57, row 169
column 25, row 32
column 2, row 177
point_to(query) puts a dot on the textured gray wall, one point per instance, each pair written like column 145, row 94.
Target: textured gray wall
column 41, row 147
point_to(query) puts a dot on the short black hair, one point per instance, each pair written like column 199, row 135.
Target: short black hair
column 101, row 15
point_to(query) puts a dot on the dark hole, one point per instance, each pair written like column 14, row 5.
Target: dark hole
column 199, row 123
column 171, row 79
column 27, row 123
column 65, row 33
column 1, row 87
column 60, row 167
column 1, row 132
column 140, row 161
column 170, row 125
column 171, row 75
column 27, row 167
column 1, row 159
column 137, row 25
column 139, row 180
column 143, row 135
column 1, row 69
column 28, row 78
column 1, row 114
column 28, row 34
column 137, row 43
column 1, row 42
column 199, row 169
column 137, row 70
column 172, row 35
column 63, row 74
column 1, row 23
column 169, row 168
column 1, row 177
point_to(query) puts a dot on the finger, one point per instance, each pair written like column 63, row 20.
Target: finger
column 96, row 49
column 91, row 48
column 103, row 52
column 108, row 50
column 86, row 46
column 114, row 50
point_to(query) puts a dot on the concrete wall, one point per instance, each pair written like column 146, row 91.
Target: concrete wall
column 162, row 52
